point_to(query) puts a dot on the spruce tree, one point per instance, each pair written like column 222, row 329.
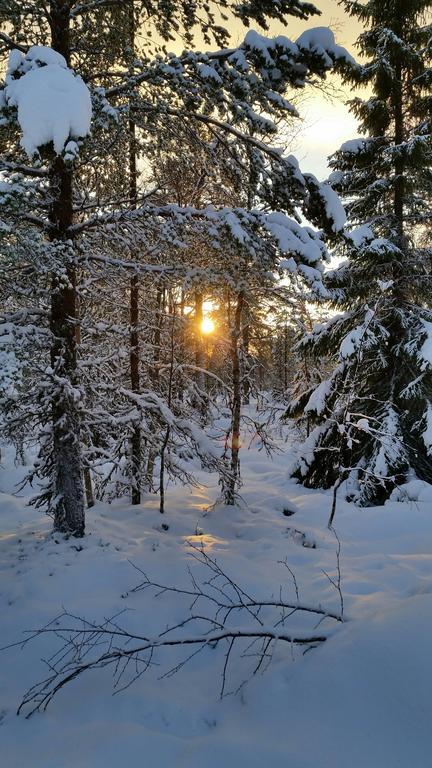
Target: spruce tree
column 373, row 414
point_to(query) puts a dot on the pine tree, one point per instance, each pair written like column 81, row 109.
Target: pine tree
column 374, row 413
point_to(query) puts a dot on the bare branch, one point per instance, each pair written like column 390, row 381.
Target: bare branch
column 86, row 645
column 11, row 44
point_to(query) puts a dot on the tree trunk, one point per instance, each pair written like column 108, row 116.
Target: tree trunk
column 236, row 402
column 199, row 342
column 245, row 352
column 134, row 355
column 168, row 429
column 201, row 360
column 88, row 484
column 135, row 386
column 69, row 515
column 400, row 284
column 285, row 358
column 154, row 375
column 399, row 187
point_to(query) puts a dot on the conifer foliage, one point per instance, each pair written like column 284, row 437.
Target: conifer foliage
column 373, row 414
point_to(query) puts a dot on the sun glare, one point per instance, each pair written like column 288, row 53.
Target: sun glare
column 207, row 325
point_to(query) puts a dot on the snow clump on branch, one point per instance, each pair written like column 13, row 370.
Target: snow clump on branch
column 53, row 103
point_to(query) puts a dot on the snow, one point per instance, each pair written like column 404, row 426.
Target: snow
column 426, row 348
column 353, row 146
column 209, row 73
column 361, row 235
column 334, row 209
column 37, row 55
column 413, row 490
column 381, row 245
column 9, row 368
column 391, row 449
column 363, row 424
column 318, row 399
column 353, row 342
column 15, row 61
column 321, row 40
column 265, row 45
column 427, row 434
column 361, row 699
column 385, row 285
column 293, row 238
column 53, row 103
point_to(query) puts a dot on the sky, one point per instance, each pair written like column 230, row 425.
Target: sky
column 327, row 123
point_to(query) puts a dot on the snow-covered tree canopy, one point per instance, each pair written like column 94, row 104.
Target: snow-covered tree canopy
column 87, row 104
column 236, row 93
column 376, row 405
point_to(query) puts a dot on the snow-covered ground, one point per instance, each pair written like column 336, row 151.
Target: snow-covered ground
column 361, row 700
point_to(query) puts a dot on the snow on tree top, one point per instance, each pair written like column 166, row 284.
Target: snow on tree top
column 321, row 41
column 361, row 336
column 264, row 44
column 318, row 399
column 37, row 55
column 209, row 72
column 361, row 235
column 294, row 238
column 334, row 210
column 353, row 146
column 427, row 432
column 53, row 103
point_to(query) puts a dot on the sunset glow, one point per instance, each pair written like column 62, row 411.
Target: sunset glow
column 207, row 326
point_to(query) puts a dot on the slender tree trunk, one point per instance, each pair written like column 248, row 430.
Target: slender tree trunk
column 69, row 515
column 88, row 484
column 399, row 187
column 201, row 358
column 236, row 401
column 179, row 389
column 400, row 285
column 285, row 357
column 160, row 307
column 245, row 352
column 154, row 374
column 134, row 318
column 168, row 429
column 199, row 343
column 136, row 458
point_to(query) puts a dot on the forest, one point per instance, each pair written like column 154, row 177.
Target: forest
column 215, row 383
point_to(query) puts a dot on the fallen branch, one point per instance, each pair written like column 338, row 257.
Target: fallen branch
column 220, row 612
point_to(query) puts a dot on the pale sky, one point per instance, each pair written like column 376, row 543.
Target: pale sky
column 327, row 123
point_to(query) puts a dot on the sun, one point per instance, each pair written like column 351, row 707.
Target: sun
column 207, row 325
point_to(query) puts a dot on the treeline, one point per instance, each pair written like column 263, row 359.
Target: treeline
column 115, row 232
